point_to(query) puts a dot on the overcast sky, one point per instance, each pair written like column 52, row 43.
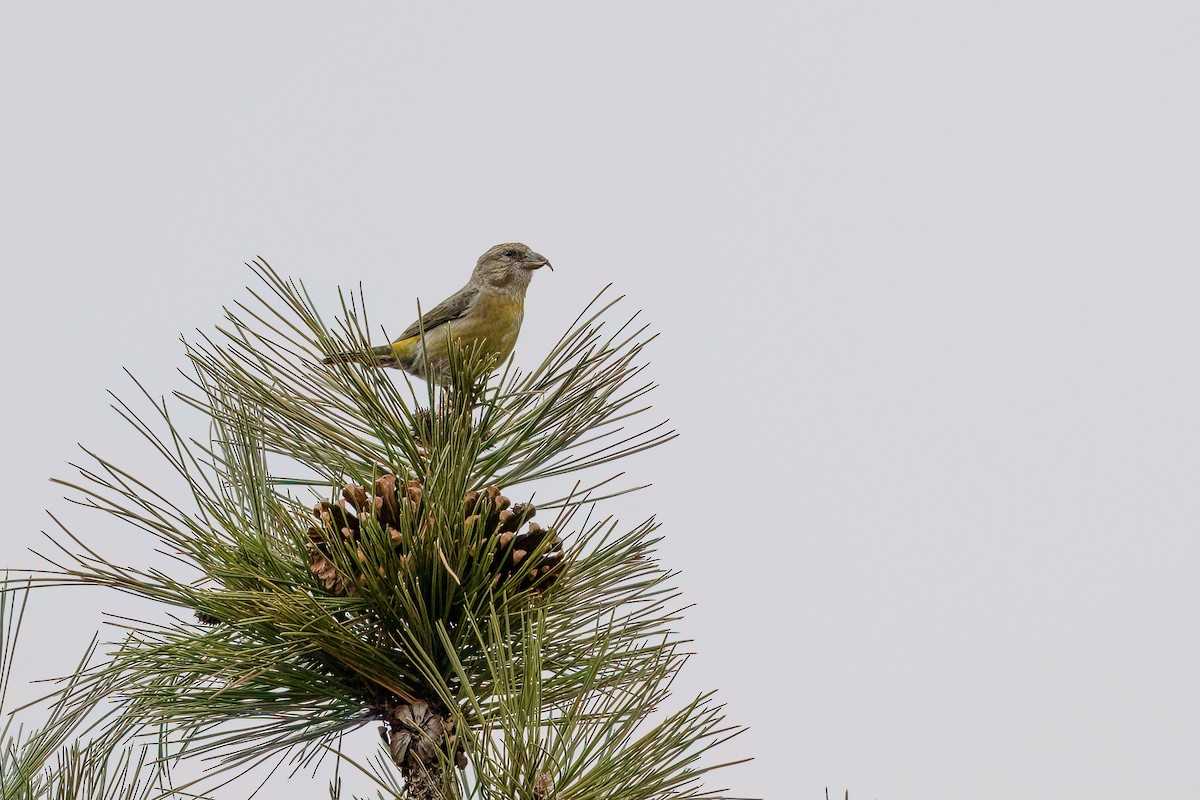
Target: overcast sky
column 926, row 276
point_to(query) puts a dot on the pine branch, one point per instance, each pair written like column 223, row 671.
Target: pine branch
column 56, row 760
column 413, row 592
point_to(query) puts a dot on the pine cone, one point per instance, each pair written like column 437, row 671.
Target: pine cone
column 415, row 734
column 543, row 786
column 488, row 516
column 514, row 548
column 500, row 522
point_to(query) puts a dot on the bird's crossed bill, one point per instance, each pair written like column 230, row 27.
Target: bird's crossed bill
column 485, row 314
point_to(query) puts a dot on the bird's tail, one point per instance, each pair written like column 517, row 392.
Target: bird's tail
column 381, row 356
column 342, row 358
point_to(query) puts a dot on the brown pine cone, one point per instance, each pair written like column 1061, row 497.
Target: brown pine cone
column 488, row 516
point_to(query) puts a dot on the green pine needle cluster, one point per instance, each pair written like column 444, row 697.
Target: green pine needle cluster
column 80, row 751
column 559, row 691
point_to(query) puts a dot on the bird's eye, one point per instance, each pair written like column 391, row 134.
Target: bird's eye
column 511, row 253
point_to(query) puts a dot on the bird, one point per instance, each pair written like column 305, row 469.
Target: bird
column 487, row 313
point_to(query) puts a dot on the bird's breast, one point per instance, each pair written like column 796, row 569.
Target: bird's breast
column 495, row 318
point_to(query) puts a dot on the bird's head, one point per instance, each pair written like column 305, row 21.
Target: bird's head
column 509, row 266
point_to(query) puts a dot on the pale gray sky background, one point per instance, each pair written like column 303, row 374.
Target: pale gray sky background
column 926, row 276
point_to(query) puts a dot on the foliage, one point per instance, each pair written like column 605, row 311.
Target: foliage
column 539, row 689
column 53, row 762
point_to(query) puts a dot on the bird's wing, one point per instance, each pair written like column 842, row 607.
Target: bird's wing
column 453, row 307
